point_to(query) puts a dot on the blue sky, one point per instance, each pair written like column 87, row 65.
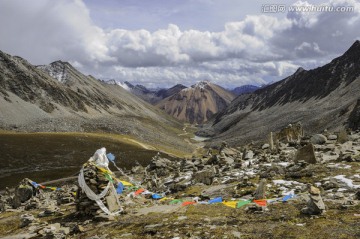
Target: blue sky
column 162, row 43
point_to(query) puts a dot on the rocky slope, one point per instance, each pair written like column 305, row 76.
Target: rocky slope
column 321, row 98
column 209, row 196
column 198, row 103
column 57, row 97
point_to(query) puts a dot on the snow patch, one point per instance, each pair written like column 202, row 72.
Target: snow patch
column 123, row 85
column 284, row 164
column 347, row 181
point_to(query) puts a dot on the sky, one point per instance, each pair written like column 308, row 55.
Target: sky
column 160, row 43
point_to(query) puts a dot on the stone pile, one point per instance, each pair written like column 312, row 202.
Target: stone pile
column 97, row 180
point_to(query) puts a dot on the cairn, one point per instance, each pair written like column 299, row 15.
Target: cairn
column 96, row 195
column 315, row 204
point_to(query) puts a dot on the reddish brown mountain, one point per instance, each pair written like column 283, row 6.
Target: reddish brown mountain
column 198, row 103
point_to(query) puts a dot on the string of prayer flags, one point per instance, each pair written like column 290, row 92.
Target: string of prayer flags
column 36, row 185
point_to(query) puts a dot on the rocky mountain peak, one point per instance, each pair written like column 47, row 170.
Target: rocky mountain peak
column 57, row 70
column 198, row 103
column 201, row 84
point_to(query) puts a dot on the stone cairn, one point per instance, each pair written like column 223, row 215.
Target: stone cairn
column 97, row 179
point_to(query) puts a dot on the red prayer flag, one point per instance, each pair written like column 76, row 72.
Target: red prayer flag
column 139, row 191
column 261, row 202
column 187, row 203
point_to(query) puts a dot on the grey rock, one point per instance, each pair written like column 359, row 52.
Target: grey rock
column 249, row 154
column 260, row 190
column 26, row 219
column 205, row 177
column 306, row 154
column 332, row 137
column 318, row 139
column 152, row 228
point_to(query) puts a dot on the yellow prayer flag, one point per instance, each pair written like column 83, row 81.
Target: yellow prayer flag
column 231, row 204
column 126, row 183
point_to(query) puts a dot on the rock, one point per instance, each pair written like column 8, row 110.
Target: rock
column 23, row 192
column 357, row 195
column 236, row 234
column 330, row 184
column 206, row 177
column 112, row 203
column 318, row 139
column 26, row 219
column 313, row 190
column 55, row 231
column 306, row 154
column 332, row 137
column 260, row 190
column 315, row 204
column 265, row 146
column 249, row 155
column 102, row 217
column 49, row 211
column 152, row 228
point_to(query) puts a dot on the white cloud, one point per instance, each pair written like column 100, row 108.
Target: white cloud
column 257, row 48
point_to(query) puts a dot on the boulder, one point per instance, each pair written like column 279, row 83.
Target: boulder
column 318, row 139
column 306, row 154
column 260, row 190
column 206, row 177
column 24, row 191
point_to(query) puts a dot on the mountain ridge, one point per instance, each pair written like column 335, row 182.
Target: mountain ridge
column 32, row 100
column 320, row 98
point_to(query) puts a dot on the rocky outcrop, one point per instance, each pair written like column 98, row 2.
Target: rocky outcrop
column 354, row 119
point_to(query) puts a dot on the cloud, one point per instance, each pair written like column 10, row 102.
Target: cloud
column 257, row 49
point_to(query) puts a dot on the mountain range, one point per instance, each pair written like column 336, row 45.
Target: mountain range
column 57, row 97
column 323, row 98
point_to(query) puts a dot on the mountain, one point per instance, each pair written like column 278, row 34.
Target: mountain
column 323, row 98
column 198, row 103
column 57, row 97
column 151, row 96
column 164, row 93
column 244, row 89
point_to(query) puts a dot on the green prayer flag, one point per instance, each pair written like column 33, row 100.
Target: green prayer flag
column 242, row 203
column 175, row 201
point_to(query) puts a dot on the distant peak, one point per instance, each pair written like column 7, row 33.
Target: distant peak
column 61, row 63
column 201, row 84
column 355, row 47
column 300, row 69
